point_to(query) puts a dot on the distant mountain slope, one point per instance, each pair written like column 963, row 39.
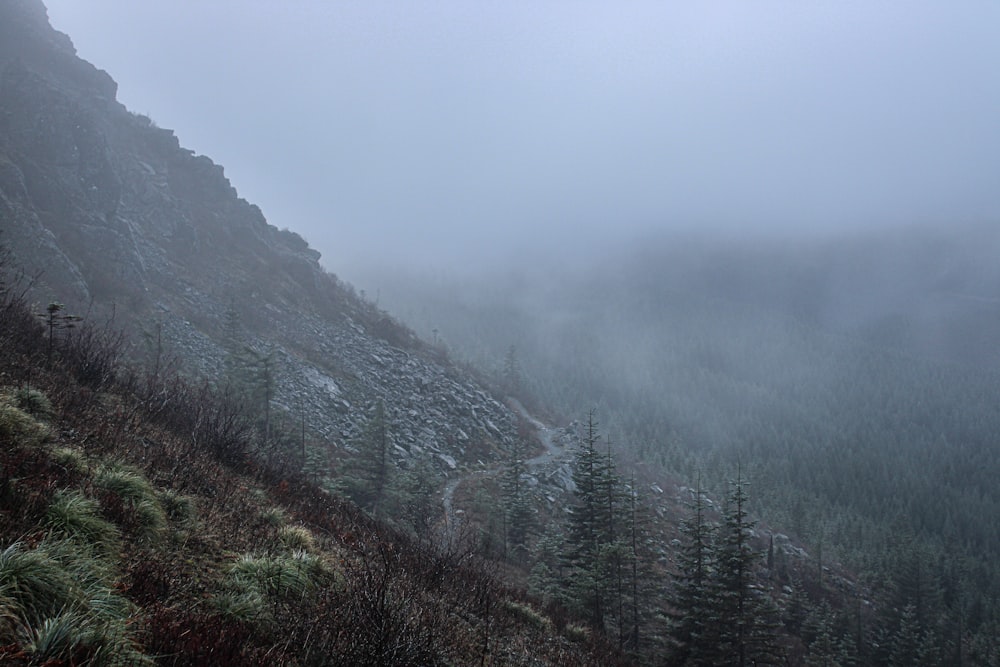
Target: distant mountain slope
column 855, row 380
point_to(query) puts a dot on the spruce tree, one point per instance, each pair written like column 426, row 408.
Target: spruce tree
column 582, row 556
column 368, row 474
column 690, row 602
column 641, row 584
column 516, row 505
column 742, row 624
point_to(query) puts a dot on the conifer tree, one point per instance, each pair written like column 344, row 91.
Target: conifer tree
column 614, row 545
column 743, row 621
column 367, row 476
column 583, row 550
column 690, row 602
column 56, row 320
column 511, row 372
column 516, row 506
column 638, row 577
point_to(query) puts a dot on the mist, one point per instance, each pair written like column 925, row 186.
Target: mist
column 696, row 183
column 452, row 136
column 752, row 241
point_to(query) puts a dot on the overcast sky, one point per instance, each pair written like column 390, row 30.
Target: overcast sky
column 440, row 132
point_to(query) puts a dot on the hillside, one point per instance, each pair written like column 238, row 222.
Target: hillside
column 138, row 529
column 216, row 451
column 113, row 217
column 854, row 378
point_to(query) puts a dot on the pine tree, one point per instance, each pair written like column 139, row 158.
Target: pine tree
column 639, row 580
column 511, row 372
column 614, row 542
column 743, row 623
column 368, row 474
column 690, row 601
column 56, row 320
column 517, row 509
column 415, row 497
column 584, row 540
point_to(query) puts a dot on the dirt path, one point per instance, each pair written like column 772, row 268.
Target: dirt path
column 544, row 434
column 550, row 452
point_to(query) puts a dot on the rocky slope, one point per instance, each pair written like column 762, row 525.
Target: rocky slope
column 110, row 212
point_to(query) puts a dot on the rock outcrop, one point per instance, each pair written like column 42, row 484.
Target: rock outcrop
column 111, row 212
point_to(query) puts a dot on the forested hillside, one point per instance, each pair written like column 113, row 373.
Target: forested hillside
column 213, row 450
column 853, row 379
column 140, row 524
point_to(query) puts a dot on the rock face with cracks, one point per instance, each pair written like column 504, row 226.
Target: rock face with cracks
column 110, row 213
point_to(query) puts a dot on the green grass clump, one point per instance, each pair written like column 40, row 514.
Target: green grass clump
column 34, row 402
column 274, row 516
column 284, row 575
column 135, row 491
column 127, row 483
column 73, row 515
column 247, row 605
column 34, row 584
column 529, row 615
column 73, row 638
column 70, row 458
column 252, row 581
column 19, row 427
column 577, row 633
column 59, row 603
column 296, row 537
column 178, row 507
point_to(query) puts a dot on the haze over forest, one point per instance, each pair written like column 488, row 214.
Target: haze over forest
column 678, row 323
column 446, row 135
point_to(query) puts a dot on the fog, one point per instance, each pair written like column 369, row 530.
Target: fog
column 451, row 134
column 752, row 236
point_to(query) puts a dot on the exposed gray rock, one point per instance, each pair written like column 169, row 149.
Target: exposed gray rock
column 116, row 215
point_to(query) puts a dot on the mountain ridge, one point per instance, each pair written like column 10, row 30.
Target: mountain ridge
column 112, row 215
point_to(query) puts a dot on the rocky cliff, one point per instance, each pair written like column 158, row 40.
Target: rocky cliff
column 111, row 213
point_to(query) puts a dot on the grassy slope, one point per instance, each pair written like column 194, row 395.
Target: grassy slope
column 164, row 542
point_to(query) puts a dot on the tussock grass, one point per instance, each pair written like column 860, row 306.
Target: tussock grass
column 529, row 615
column 297, row 537
column 285, row 575
column 246, row 605
column 71, row 459
column 35, row 584
column 62, row 601
column 253, row 583
column 73, row 515
column 34, row 402
column 126, row 483
column 577, row 633
column 56, row 638
column 72, row 637
column 178, row 507
column 19, row 427
column 150, row 518
column 274, row 516
column 139, row 497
